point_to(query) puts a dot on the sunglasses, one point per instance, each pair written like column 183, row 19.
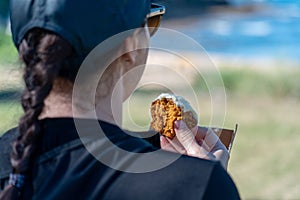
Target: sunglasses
column 154, row 17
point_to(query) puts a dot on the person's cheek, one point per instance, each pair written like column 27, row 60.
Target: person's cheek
column 131, row 80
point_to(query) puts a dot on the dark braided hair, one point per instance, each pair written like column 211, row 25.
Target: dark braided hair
column 46, row 57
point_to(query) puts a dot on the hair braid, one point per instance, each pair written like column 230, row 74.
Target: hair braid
column 44, row 55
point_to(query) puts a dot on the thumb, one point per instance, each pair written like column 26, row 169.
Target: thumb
column 184, row 135
column 163, row 141
column 166, row 145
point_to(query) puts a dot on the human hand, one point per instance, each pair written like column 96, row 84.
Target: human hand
column 198, row 142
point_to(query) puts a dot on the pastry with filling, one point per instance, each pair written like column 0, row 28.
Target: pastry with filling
column 166, row 109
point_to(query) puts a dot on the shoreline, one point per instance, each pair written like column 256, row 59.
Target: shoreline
column 223, row 61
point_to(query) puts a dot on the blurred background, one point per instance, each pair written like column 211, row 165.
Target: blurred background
column 254, row 45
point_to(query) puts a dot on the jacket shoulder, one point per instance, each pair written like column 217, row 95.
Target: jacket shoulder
column 6, row 141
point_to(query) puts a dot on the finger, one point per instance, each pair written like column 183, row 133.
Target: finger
column 200, row 133
column 163, row 141
column 177, row 145
column 203, row 145
column 165, row 145
column 215, row 148
column 186, row 137
column 211, row 139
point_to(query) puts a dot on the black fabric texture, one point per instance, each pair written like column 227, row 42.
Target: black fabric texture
column 6, row 147
column 66, row 170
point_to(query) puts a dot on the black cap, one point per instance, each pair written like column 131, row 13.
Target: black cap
column 83, row 23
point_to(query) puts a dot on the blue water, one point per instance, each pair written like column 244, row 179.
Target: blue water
column 272, row 30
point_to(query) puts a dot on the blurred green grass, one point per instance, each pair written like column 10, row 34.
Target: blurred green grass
column 264, row 102
column 10, row 84
column 276, row 82
column 10, row 112
column 8, row 52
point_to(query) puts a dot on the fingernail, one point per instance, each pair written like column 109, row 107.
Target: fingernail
column 177, row 124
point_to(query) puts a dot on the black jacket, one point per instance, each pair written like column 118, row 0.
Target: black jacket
column 66, row 170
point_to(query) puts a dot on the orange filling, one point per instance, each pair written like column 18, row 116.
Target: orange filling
column 164, row 113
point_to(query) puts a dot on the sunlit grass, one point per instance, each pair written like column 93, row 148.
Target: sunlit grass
column 266, row 147
column 10, row 113
column 8, row 52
